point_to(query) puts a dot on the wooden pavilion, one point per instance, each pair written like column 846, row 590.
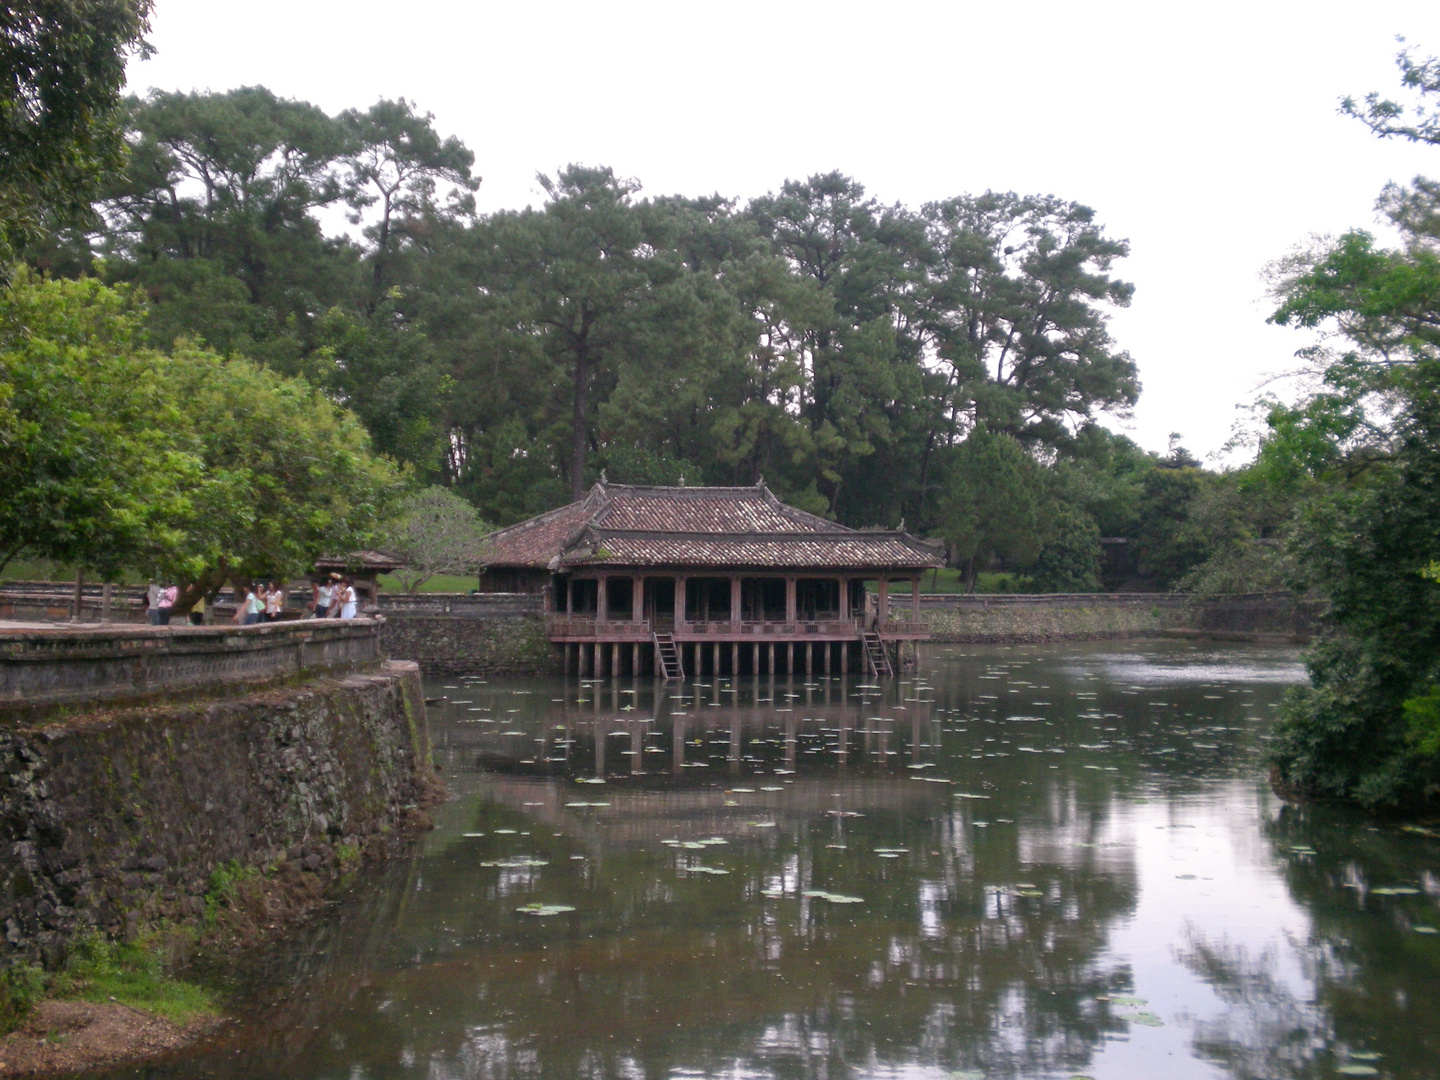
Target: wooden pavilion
column 710, row 580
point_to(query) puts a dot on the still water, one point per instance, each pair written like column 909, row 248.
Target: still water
column 1020, row 862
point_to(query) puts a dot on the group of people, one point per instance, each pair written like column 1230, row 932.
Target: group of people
column 333, row 598
column 160, row 602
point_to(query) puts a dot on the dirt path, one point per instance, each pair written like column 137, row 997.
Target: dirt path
column 68, row 1036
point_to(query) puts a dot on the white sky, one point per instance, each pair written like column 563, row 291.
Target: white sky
column 1205, row 134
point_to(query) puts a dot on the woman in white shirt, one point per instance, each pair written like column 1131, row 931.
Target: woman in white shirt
column 323, row 594
column 274, row 602
column 348, row 604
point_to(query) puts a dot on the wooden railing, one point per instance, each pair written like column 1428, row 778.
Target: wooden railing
column 579, row 626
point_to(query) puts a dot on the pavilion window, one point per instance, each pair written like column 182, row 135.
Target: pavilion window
column 707, row 599
column 620, row 593
column 817, row 598
column 763, row 599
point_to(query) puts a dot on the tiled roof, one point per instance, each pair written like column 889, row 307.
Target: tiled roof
column 620, row 525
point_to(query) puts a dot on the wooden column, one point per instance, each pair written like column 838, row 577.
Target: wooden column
column 715, row 658
column 635, row 659
column 637, row 599
column 789, row 599
column 882, row 606
column 915, row 599
column 754, row 658
column 565, row 648
column 826, row 668
column 734, row 658
column 602, row 598
column 615, row 659
column 844, row 599
column 789, row 658
column 570, row 595
column 809, row 658
column 679, row 600
column 771, row 672
column 735, row 600
column 844, row 657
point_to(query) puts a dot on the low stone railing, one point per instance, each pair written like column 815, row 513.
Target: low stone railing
column 72, row 665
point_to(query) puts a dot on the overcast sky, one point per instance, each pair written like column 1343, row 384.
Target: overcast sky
column 1207, row 135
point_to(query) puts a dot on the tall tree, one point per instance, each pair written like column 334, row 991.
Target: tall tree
column 396, row 164
column 1018, row 310
column 62, row 65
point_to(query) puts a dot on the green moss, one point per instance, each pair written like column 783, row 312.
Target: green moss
column 347, row 853
column 21, row 987
column 100, row 970
column 224, row 880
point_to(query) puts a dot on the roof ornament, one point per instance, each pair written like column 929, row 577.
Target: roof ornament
column 760, row 480
column 682, row 479
column 603, row 481
column 902, row 525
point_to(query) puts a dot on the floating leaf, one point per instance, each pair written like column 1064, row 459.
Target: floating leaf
column 1398, row 890
column 1147, row 1019
column 522, row 863
column 1363, row 1055
column 569, row 804
column 705, row 870
column 1128, row 1002
column 544, row 909
column 1357, row 1070
column 762, row 824
column 834, row 898
column 1425, row 930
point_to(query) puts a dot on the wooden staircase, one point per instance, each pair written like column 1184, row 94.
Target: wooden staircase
column 667, row 657
column 877, row 660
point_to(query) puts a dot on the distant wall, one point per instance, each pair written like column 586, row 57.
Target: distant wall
column 67, row 664
column 454, row 633
column 1095, row 616
column 116, row 821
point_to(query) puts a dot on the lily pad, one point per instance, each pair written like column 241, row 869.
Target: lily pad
column 1357, row 1070
column 1128, row 1002
column 761, row 824
column 522, row 863
column 544, row 909
column 718, row 871
column 1398, row 890
column 1146, row 1019
column 833, row 898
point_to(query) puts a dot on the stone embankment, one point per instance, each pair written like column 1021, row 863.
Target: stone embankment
column 457, row 633
column 1098, row 616
column 117, row 820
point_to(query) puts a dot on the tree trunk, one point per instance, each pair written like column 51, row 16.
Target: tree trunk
column 579, row 434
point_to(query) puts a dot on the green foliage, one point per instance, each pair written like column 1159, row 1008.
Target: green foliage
column 22, row 985
column 64, row 64
column 90, row 473
column 435, row 531
column 1069, row 561
column 98, row 969
column 993, row 503
column 225, row 879
column 1365, row 452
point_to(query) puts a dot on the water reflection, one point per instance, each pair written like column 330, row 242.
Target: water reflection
column 1022, row 863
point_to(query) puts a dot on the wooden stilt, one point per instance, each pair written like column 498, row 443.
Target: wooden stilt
column 826, row 647
column 615, row 659
column 635, row 660
column 770, row 670
column 715, row 658
column 845, row 657
column 809, row 658
column 754, row 658
column 734, row 658
column 565, row 650
column 789, row 658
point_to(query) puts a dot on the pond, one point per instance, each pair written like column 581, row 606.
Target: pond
column 1020, row 862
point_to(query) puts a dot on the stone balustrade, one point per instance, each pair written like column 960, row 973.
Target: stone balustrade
column 63, row 665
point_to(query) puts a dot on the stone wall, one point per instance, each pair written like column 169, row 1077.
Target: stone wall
column 70, row 664
column 116, row 821
column 1096, row 616
column 452, row 644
